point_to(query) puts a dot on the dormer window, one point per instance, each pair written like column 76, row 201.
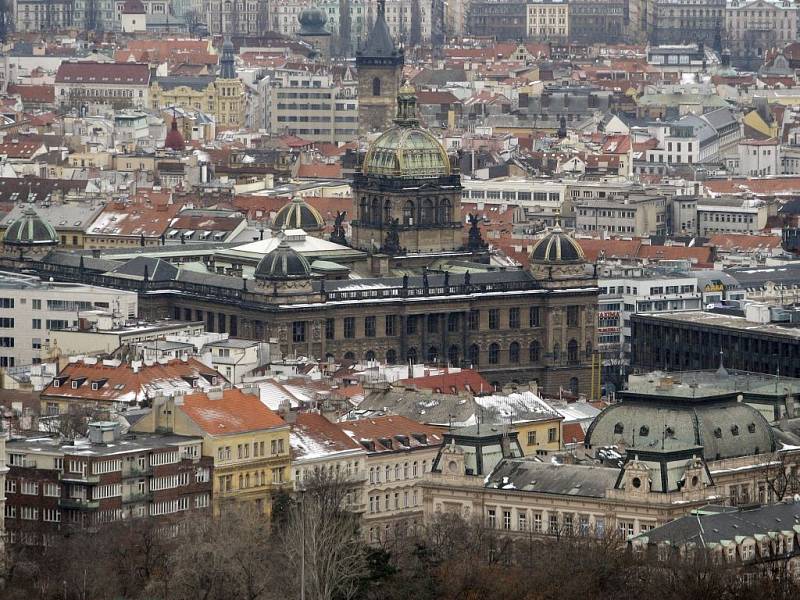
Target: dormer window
column 619, row 428
column 718, row 433
column 735, row 429
column 751, row 428
column 644, row 431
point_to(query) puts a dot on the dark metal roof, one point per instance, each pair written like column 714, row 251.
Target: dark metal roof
column 557, row 247
column 30, row 230
column 283, row 263
column 379, row 42
column 548, row 478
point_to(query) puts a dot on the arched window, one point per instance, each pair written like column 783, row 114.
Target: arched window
column 444, row 211
column 349, row 356
column 556, row 352
column 494, row 353
column 375, row 218
column 513, row 353
column 572, row 352
column 433, row 354
column 408, row 213
column 364, row 210
column 376, row 86
column 369, row 355
column 428, row 214
column 411, row 355
column 534, row 350
column 474, row 355
column 391, row 356
column 329, row 357
column 452, row 356
column 573, row 385
column 387, row 211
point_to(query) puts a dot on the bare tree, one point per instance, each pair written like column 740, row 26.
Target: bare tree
column 322, row 540
column 780, row 474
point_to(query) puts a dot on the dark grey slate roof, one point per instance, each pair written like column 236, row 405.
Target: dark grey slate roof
column 712, row 528
column 548, row 478
column 757, row 277
column 379, row 42
column 199, row 82
column 484, row 278
column 157, row 269
column 66, row 259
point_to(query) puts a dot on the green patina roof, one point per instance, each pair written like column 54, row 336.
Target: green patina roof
column 406, row 152
column 30, row 230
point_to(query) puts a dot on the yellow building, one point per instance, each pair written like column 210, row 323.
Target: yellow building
column 222, row 96
column 540, row 434
column 547, row 20
column 248, row 442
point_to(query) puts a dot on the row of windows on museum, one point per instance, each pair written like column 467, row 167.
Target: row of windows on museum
column 414, row 324
column 473, row 357
column 567, row 524
column 428, row 211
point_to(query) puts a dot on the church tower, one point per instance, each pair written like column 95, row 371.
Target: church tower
column 380, row 70
column 229, row 91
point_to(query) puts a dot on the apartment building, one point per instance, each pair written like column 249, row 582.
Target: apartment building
column 399, row 454
column 32, row 311
column 514, row 191
column 547, row 20
column 247, row 441
column 54, row 486
column 753, row 27
column 314, row 107
column 731, row 215
column 42, row 15
column 93, row 87
column 625, row 291
column 636, row 214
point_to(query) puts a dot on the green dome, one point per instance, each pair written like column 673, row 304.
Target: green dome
column 30, row 230
column 406, row 150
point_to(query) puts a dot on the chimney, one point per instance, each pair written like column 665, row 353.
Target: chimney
column 103, row 432
column 214, row 394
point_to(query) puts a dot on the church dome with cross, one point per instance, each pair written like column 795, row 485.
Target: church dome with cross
column 406, row 150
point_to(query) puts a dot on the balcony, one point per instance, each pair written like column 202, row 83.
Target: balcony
column 137, row 497
column 137, row 472
column 78, row 503
column 79, row 478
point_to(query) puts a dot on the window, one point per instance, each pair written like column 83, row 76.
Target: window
column 537, row 522
column 552, row 435
column 51, row 489
column 411, row 325
column 391, row 325
column 30, row 488
column 350, row 327
column 369, row 326
column 534, row 351
column 491, row 518
column 474, row 320
column 376, row 86
column 522, row 522
column 506, row 519
column 36, row 324
column 11, row 486
column 494, row 318
column 433, row 323
column 299, row 332
column 30, row 513
column 330, row 329
column 513, row 318
column 494, row 353
column 553, row 524
column 572, row 316
column 513, row 353
column 531, row 438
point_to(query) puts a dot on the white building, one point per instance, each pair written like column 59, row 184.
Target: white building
column 731, row 215
column 760, row 158
column 237, row 358
column 94, row 87
column 638, row 291
column 32, row 311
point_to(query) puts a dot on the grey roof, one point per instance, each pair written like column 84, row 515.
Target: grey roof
column 724, row 427
column 198, row 82
column 787, row 274
column 549, row 478
column 701, row 128
column 379, row 43
column 76, row 215
column 30, row 230
column 709, row 276
column 283, row 263
column 714, row 527
column 155, row 268
column 719, row 118
column 476, row 278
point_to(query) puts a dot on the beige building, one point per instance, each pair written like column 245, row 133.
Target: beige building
column 548, row 19
column 632, row 215
column 399, row 453
column 754, row 27
column 248, row 442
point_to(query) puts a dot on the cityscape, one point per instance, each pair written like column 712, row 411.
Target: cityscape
column 379, row 299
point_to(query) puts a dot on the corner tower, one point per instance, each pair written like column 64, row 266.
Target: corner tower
column 380, row 70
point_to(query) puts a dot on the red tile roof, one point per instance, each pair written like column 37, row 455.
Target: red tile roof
column 773, row 185
column 103, row 73
column 387, row 428
column 314, row 435
column 21, row 147
column 43, row 94
column 124, row 383
column 731, row 241
column 320, row 171
column 572, row 433
column 234, row 412
column 466, row 380
column 134, row 219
